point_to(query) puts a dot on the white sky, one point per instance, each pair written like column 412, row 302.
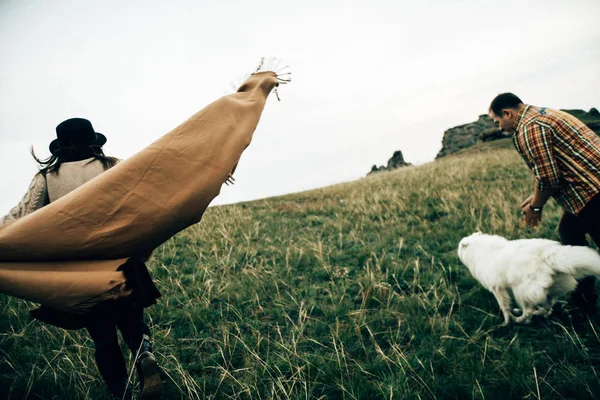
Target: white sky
column 369, row 77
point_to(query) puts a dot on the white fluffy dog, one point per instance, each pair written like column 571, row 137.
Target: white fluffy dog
column 538, row 272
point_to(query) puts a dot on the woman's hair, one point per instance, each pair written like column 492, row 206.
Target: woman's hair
column 68, row 154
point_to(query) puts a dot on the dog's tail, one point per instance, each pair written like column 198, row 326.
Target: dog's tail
column 578, row 261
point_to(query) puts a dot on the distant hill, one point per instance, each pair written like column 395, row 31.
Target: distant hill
column 484, row 130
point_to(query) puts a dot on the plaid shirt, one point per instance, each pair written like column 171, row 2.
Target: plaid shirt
column 562, row 152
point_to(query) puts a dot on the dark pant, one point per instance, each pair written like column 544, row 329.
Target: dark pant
column 128, row 317
column 572, row 230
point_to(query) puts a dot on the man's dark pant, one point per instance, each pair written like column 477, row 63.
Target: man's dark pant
column 572, row 230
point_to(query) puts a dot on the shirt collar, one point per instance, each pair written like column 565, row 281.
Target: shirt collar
column 519, row 119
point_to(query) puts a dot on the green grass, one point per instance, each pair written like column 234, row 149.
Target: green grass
column 349, row 292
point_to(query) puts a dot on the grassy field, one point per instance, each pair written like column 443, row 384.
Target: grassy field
column 349, row 292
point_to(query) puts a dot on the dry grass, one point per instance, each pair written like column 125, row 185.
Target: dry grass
column 348, row 292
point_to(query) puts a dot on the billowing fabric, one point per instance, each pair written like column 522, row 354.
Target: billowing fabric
column 66, row 254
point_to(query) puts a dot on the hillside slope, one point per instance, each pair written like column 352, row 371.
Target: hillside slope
column 348, row 292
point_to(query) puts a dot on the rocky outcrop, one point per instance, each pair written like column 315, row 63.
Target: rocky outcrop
column 485, row 130
column 493, row 134
column 397, row 161
column 465, row 135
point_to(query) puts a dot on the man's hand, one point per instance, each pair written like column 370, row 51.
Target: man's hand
column 532, row 218
column 527, row 201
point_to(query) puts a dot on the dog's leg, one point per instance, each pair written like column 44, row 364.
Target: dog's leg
column 531, row 309
column 528, row 312
column 503, row 298
column 546, row 309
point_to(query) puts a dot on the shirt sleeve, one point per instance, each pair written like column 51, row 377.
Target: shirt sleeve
column 540, row 151
column 35, row 198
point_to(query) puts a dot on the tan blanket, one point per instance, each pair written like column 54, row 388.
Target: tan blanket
column 65, row 255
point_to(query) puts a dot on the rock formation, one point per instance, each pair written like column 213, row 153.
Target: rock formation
column 397, row 161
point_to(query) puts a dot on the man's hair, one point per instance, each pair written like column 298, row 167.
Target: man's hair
column 503, row 101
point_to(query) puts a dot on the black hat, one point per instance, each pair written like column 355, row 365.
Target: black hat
column 77, row 132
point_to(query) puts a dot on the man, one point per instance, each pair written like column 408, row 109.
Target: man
column 564, row 156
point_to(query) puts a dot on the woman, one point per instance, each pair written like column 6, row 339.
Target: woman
column 77, row 158
column 106, row 228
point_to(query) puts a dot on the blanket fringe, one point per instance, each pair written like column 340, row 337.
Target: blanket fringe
column 269, row 64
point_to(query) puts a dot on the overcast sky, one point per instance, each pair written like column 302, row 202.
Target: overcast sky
column 369, row 77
